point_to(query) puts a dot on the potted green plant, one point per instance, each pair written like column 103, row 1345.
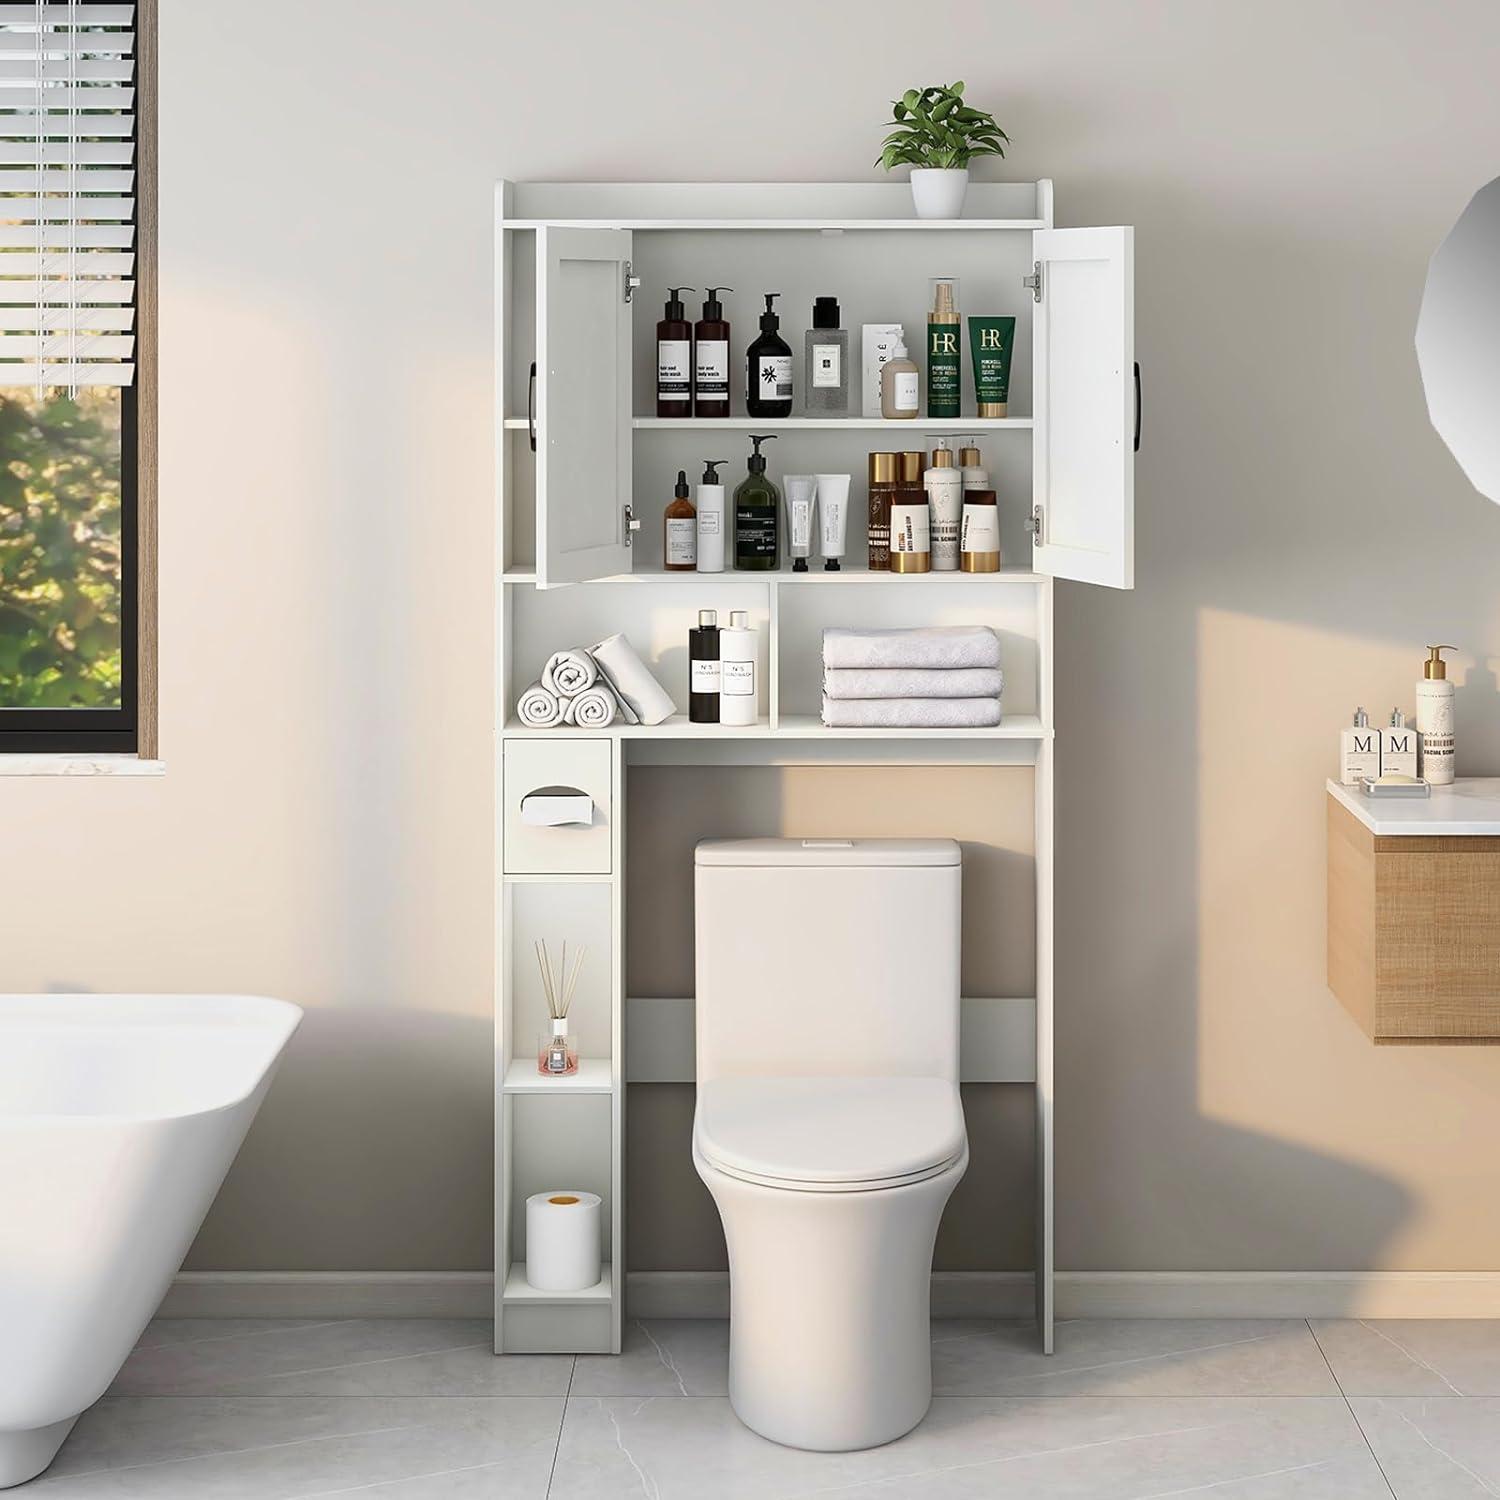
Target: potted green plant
column 937, row 135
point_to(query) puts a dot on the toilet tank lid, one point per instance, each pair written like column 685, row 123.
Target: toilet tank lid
column 807, row 852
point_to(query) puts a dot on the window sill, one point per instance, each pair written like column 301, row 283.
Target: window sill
column 80, row 765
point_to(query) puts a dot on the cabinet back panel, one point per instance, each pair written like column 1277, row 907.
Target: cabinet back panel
column 879, row 276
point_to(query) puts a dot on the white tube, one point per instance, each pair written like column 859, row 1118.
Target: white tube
column 562, row 1241
column 833, row 515
column 801, row 494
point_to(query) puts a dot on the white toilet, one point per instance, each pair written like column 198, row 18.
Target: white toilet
column 828, row 1126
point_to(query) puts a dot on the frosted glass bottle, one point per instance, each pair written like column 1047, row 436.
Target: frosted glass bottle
column 827, row 361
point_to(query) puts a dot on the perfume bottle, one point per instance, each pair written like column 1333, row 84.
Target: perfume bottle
column 556, row 1051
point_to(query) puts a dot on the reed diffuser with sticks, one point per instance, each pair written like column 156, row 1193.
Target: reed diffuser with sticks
column 557, row 1051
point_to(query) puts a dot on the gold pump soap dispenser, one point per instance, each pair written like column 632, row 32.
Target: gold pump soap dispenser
column 1435, row 729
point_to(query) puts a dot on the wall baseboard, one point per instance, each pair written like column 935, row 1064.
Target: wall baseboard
column 330, row 1294
column 955, row 1294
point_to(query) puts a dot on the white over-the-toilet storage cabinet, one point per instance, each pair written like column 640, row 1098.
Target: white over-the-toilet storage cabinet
column 582, row 462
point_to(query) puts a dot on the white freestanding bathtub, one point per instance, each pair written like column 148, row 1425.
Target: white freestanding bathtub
column 119, row 1116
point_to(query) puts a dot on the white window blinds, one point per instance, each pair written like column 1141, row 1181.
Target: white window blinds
column 67, row 202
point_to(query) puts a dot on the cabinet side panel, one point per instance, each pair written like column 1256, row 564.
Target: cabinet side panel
column 1351, row 914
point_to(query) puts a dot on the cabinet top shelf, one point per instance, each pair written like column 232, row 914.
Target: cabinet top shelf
column 807, row 206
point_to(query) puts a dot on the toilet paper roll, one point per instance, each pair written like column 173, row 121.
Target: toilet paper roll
column 562, row 1241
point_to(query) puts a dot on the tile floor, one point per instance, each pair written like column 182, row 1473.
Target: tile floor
column 420, row 1410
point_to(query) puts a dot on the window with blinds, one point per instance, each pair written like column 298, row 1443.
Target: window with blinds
column 67, row 201
column 77, row 382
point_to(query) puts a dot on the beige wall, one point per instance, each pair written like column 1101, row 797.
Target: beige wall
column 323, row 832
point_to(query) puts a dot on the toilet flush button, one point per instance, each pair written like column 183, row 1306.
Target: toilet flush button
column 827, row 843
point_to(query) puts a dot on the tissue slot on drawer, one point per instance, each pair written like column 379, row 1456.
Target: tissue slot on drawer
column 558, row 806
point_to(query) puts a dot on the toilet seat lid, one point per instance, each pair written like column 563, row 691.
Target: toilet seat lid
column 830, row 1130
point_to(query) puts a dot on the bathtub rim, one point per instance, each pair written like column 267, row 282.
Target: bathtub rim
column 256, row 1013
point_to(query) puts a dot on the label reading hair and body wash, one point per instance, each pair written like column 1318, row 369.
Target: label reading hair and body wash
column 827, row 366
column 712, row 369
column 674, row 369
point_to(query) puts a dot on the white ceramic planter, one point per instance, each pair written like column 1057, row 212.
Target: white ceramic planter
column 938, row 192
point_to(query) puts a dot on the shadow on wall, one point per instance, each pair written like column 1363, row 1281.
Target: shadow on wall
column 1216, row 1107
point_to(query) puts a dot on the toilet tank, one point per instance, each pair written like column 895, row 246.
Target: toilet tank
column 835, row 956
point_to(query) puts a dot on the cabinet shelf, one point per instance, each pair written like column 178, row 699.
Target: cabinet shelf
column 789, row 727
column 592, row 1077
column 813, row 226
column 812, row 424
column 828, row 424
column 813, row 576
column 519, row 1290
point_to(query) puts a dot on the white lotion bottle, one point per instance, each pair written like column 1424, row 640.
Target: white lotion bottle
column 739, row 671
column 945, row 498
column 1359, row 750
column 1435, row 724
column 711, row 518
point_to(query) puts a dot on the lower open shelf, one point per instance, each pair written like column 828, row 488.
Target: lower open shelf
column 520, row 1291
column 788, row 727
column 592, row 1077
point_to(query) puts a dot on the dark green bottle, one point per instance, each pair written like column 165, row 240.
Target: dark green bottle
column 757, row 515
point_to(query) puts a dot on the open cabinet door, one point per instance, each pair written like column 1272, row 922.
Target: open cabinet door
column 582, row 404
column 1083, row 463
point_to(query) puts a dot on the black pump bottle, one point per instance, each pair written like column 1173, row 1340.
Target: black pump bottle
column 711, row 358
column 768, row 380
column 674, row 358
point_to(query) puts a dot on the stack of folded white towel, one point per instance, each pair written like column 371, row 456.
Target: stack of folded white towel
column 587, row 687
column 932, row 677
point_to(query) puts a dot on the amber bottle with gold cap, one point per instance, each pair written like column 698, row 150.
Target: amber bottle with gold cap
column 911, row 529
column 883, row 476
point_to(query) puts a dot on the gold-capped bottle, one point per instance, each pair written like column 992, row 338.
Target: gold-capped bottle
column 883, row 472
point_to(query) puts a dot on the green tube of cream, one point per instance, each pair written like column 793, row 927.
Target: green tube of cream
column 991, row 341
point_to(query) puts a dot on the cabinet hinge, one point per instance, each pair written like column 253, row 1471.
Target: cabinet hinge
column 631, row 524
column 1034, row 522
column 631, row 282
column 1034, row 281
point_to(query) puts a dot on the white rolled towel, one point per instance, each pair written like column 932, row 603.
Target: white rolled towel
column 911, row 713
column 632, row 681
column 930, row 646
column 538, row 709
column 913, row 682
column 593, row 708
column 568, row 673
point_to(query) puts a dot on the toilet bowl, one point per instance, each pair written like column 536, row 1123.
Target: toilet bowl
column 828, row 1126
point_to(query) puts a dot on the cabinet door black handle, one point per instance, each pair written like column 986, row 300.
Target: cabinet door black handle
column 531, row 407
column 1137, row 448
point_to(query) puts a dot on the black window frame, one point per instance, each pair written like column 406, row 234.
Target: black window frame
column 114, row 731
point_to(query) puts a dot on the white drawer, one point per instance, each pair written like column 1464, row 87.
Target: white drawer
column 572, row 848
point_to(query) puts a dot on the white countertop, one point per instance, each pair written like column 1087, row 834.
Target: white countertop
column 1470, row 806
